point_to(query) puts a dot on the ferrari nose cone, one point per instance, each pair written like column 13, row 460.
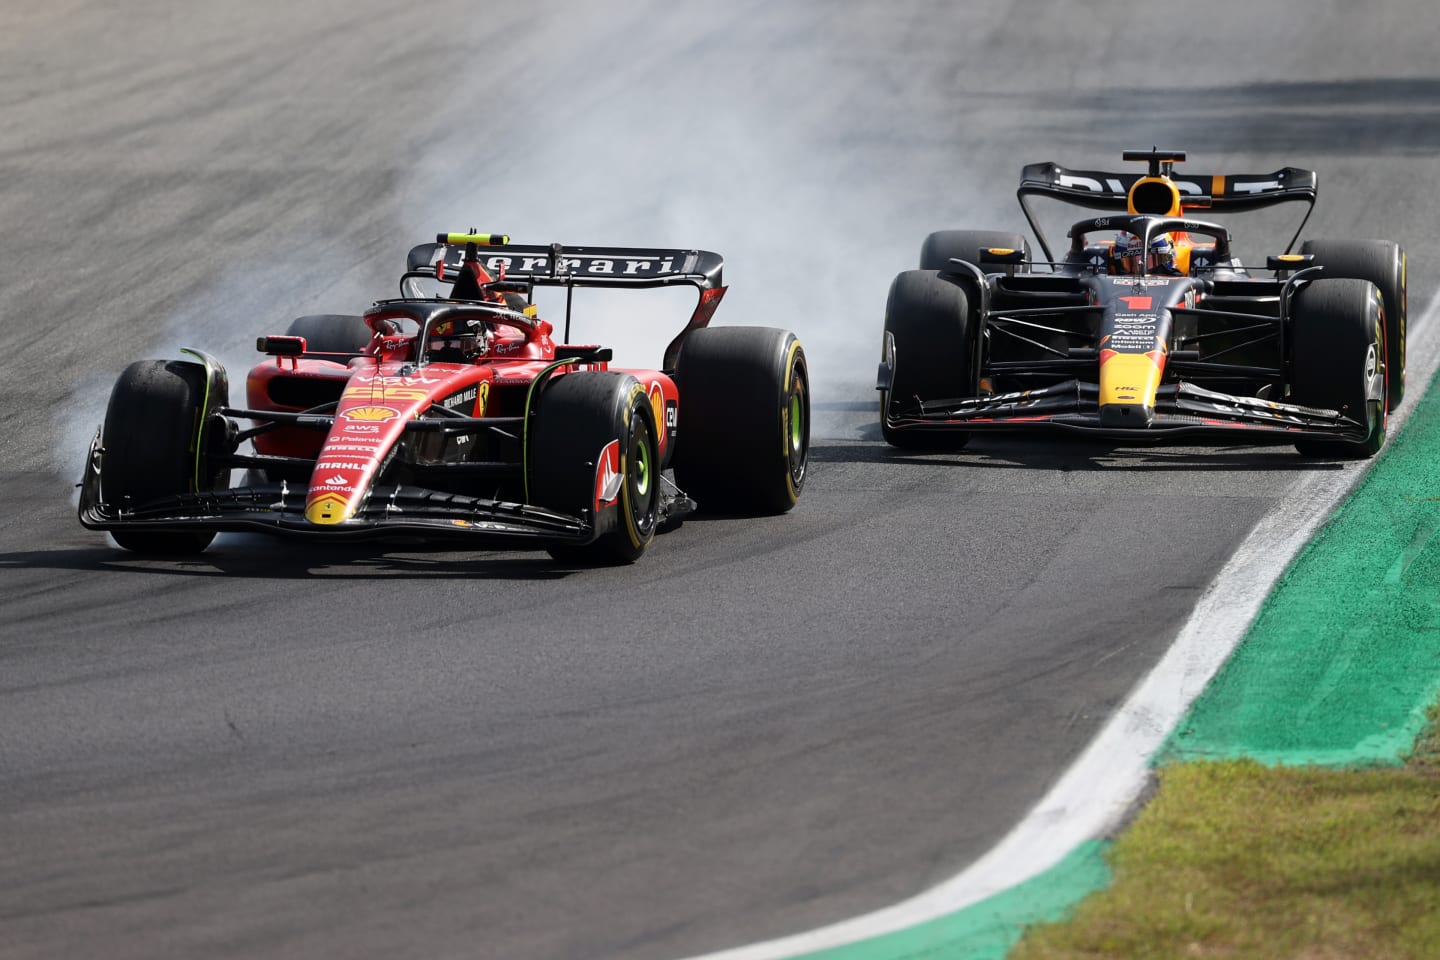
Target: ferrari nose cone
column 328, row 509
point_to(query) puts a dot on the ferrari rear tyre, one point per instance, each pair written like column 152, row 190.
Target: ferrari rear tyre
column 1339, row 338
column 1382, row 262
column 942, row 246
column 593, row 449
column 152, row 426
column 743, row 432
column 927, row 344
column 331, row 333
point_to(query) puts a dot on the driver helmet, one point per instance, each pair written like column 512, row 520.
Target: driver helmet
column 452, row 342
column 1126, row 254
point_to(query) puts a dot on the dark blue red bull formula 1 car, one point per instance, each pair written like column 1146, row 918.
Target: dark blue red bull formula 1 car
column 458, row 415
column 1148, row 328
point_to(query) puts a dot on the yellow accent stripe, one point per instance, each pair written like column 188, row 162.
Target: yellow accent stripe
column 199, row 428
column 482, row 239
column 786, row 427
column 785, row 410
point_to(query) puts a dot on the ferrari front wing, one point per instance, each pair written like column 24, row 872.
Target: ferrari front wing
column 389, row 511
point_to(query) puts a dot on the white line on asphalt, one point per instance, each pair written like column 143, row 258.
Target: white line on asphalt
column 1092, row 798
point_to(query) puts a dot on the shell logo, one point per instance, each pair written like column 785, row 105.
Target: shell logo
column 371, row 414
column 328, row 509
column 657, row 404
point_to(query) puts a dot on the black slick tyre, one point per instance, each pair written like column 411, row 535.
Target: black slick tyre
column 1382, row 262
column 592, row 441
column 1338, row 340
column 743, row 428
column 152, row 427
column 331, row 333
column 942, row 246
column 926, row 342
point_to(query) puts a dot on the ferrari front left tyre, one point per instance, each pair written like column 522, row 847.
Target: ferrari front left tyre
column 592, row 449
column 331, row 333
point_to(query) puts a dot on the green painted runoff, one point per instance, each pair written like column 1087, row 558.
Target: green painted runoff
column 987, row 930
column 1344, row 658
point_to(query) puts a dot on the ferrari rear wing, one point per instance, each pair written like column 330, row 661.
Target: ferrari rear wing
column 559, row 266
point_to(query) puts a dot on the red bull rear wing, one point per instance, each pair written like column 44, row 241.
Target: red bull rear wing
column 1221, row 193
column 1103, row 190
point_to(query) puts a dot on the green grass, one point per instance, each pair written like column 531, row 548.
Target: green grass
column 1426, row 758
column 1233, row 859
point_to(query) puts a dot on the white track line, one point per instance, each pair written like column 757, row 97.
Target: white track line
column 1094, row 795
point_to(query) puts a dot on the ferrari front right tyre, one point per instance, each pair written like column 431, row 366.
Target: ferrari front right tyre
column 152, row 426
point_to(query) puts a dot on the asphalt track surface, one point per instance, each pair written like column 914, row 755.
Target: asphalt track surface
column 766, row 725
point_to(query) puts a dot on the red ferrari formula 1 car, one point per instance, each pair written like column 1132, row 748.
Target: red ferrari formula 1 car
column 460, row 416
column 1148, row 328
